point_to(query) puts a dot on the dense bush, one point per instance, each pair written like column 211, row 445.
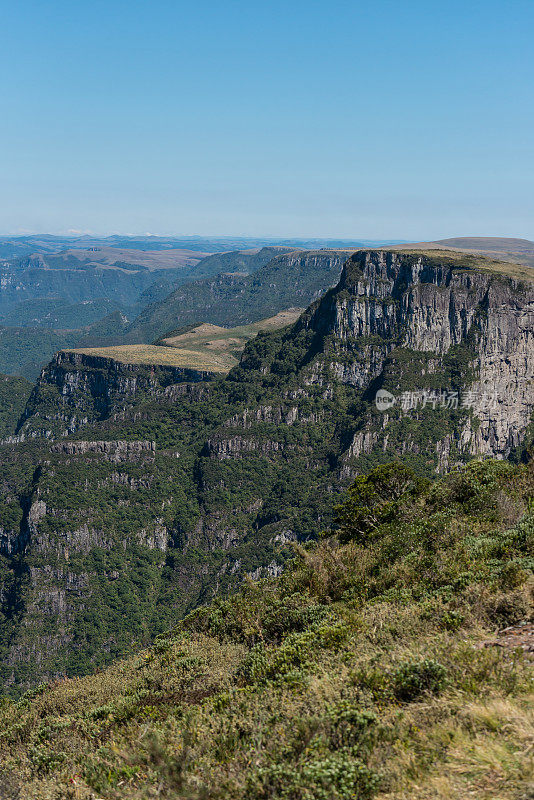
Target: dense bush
column 374, row 499
column 413, row 678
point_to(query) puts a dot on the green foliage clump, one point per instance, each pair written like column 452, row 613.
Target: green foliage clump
column 363, row 669
column 413, row 678
column 335, row 777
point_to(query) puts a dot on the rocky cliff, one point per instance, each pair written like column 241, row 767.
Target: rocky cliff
column 181, row 487
column 76, row 389
column 443, row 313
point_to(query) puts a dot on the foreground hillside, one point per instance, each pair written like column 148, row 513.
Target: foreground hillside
column 371, row 668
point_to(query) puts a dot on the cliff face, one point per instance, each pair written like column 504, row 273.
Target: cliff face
column 83, row 551
column 182, row 486
column 431, row 307
column 77, row 389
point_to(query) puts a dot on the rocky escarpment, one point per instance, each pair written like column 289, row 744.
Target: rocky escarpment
column 110, row 451
column 83, row 550
column 451, row 347
column 480, row 324
column 76, row 389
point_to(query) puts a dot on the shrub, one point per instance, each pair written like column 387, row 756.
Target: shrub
column 350, row 727
column 285, row 618
column 334, row 777
column 413, row 678
column 508, row 608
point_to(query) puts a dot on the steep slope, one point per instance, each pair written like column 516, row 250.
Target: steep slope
column 34, row 279
column 24, row 351
column 58, row 314
column 72, row 291
column 240, row 261
column 243, row 465
column 82, row 386
column 372, row 668
column 245, row 261
column 294, row 279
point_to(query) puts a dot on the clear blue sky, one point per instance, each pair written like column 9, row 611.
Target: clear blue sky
column 376, row 119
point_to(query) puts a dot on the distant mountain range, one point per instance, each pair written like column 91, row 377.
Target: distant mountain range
column 19, row 246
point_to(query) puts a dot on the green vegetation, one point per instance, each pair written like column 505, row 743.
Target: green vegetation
column 243, row 467
column 24, row 351
column 516, row 251
column 154, row 354
column 482, row 262
column 57, row 313
column 369, row 669
column 75, row 298
column 14, row 393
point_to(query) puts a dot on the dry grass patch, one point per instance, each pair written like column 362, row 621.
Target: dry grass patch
column 165, row 356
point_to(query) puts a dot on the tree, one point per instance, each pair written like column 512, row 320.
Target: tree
column 373, row 499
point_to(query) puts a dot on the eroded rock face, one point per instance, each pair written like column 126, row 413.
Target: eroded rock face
column 406, row 323
column 115, row 451
column 420, row 305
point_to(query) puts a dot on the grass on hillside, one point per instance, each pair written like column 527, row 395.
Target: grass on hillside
column 205, row 347
column 217, row 338
column 152, row 354
column 368, row 670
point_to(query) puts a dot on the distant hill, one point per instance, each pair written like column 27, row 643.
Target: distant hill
column 519, row 250
column 20, row 246
column 84, row 297
column 115, row 258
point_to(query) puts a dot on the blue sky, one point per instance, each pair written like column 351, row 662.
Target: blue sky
column 381, row 119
